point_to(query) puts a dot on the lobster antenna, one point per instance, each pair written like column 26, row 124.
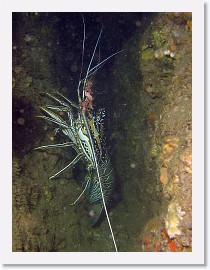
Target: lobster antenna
column 99, row 179
column 102, row 62
column 83, row 51
column 99, row 65
column 88, row 130
column 91, row 60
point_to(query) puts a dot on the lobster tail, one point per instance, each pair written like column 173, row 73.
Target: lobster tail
column 94, row 192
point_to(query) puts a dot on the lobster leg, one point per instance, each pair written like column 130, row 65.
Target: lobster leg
column 55, row 145
column 62, row 102
column 81, row 192
column 71, row 164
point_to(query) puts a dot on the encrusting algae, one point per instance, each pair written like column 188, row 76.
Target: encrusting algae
column 172, row 220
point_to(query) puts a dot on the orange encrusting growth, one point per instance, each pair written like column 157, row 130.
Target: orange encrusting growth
column 172, row 247
column 163, row 180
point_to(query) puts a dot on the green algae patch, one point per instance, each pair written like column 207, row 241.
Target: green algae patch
column 158, row 39
column 147, row 54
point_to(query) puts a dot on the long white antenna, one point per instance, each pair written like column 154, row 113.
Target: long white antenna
column 87, row 127
column 99, row 179
column 83, row 50
column 91, row 60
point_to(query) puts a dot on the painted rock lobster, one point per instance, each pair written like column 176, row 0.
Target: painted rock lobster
column 84, row 129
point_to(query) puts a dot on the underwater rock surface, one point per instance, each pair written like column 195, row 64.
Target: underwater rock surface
column 152, row 127
column 147, row 92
